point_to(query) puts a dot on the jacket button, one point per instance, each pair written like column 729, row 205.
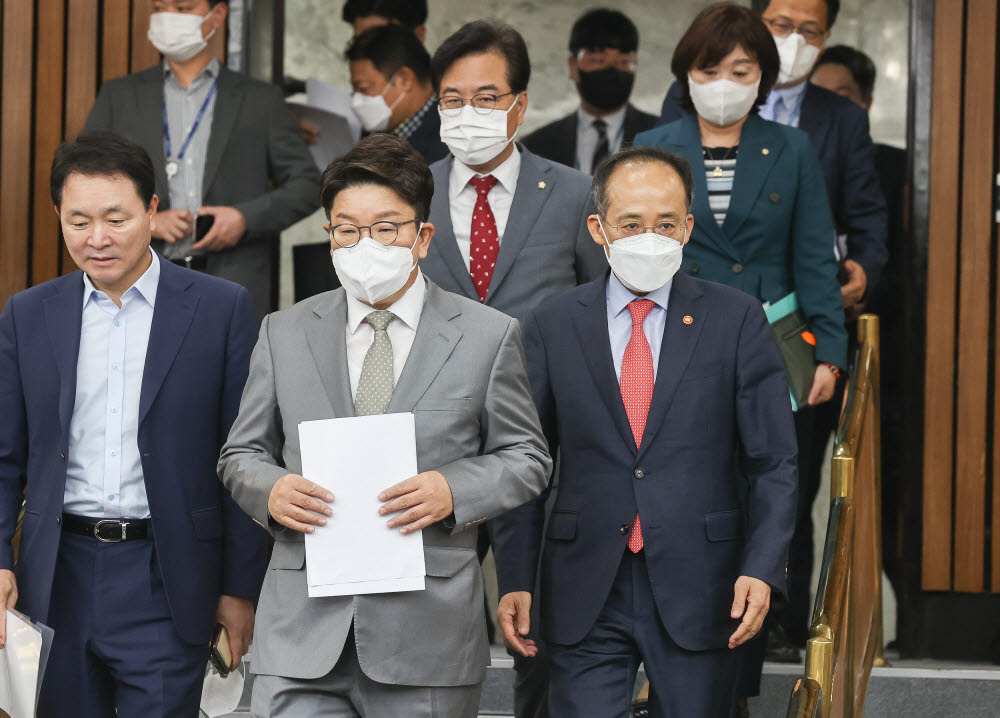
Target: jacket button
column 737, row 268
column 774, row 197
column 639, row 473
column 624, row 529
column 694, row 269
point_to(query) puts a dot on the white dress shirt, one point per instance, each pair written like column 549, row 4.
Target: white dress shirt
column 463, row 195
column 785, row 105
column 104, row 476
column 620, row 321
column 587, row 137
column 402, row 329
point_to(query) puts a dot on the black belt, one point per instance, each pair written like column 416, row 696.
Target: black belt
column 197, row 262
column 106, row 530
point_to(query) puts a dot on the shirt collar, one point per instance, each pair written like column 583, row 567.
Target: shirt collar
column 211, row 69
column 506, row 174
column 145, row 286
column 791, row 96
column 409, row 126
column 407, row 308
column 619, row 296
column 615, row 121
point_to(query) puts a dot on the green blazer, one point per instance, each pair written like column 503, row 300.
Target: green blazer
column 778, row 236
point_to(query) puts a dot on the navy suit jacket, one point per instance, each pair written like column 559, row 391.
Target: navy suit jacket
column 197, row 360
column 714, row 479
column 839, row 131
column 777, row 236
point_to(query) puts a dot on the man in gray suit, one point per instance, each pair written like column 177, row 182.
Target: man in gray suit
column 388, row 341
column 511, row 226
column 224, row 146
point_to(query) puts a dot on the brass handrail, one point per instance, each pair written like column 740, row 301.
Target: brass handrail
column 846, row 629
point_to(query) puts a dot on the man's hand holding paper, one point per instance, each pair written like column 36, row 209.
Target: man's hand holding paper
column 297, row 503
column 424, row 499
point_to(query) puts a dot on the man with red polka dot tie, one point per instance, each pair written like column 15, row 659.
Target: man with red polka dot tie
column 667, row 402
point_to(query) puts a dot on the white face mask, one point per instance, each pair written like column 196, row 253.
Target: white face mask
column 373, row 272
column 373, row 111
column 645, row 262
column 476, row 138
column 221, row 696
column 723, row 102
column 178, row 34
column 797, row 58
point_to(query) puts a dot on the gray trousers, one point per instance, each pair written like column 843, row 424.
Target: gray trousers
column 346, row 692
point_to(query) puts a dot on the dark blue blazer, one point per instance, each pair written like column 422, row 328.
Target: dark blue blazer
column 714, row 479
column 778, row 235
column 202, row 334
column 839, row 131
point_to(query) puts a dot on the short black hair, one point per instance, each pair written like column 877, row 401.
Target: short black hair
column 860, row 66
column 102, row 154
column 639, row 155
column 714, row 33
column 603, row 28
column 832, row 9
column 480, row 37
column 386, row 160
column 408, row 13
column 389, row 48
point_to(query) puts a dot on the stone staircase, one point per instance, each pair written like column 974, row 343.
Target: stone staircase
column 924, row 689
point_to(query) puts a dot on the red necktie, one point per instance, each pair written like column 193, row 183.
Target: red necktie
column 637, row 389
column 484, row 243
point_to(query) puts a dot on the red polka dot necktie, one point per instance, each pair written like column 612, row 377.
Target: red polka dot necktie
column 637, row 389
column 484, row 241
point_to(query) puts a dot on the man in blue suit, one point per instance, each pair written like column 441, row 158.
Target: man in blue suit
column 119, row 383
column 668, row 401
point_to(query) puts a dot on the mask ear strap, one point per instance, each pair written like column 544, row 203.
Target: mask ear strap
column 607, row 242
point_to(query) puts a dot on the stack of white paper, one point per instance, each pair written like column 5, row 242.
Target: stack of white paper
column 22, row 665
column 329, row 109
column 357, row 458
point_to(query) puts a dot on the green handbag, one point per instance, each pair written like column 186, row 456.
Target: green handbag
column 796, row 344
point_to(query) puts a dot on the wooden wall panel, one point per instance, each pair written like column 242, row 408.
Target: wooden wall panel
column 143, row 53
column 116, row 40
column 941, row 297
column 46, row 243
column 81, row 63
column 15, row 145
column 974, row 297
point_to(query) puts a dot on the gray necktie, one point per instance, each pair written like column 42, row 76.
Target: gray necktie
column 375, row 385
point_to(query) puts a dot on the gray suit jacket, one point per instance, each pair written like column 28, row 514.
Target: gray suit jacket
column 257, row 162
column 465, row 382
column 545, row 249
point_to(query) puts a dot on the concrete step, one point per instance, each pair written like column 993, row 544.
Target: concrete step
column 927, row 689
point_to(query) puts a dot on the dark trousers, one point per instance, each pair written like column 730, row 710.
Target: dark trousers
column 115, row 647
column 531, row 677
column 596, row 677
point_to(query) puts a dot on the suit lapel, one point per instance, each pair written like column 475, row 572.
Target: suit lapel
column 760, row 147
column 434, row 342
column 149, row 126
column 813, row 120
column 630, row 129
column 688, row 144
column 63, row 319
column 228, row 99
column 534, row 187
column 679, row 341
column 444, row 233
column 172, row 316
column 565, row 151
column 326, row 336
column 591, row 324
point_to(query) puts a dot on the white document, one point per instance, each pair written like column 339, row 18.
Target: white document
column 335, row 135
column 333, row 99
column 356, row 458
column 22, row 664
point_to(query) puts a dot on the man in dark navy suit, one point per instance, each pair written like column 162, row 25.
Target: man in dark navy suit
column 119, row 383
column 667, row 400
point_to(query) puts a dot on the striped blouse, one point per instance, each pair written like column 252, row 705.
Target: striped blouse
column 720, row 169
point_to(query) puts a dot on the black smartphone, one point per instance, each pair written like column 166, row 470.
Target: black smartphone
column 202, row 223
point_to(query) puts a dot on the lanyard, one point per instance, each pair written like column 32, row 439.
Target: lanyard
column 194, row 127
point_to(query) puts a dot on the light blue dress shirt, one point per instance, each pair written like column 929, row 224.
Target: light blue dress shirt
column 620, row 321
column 785, row 105
column 104, row 471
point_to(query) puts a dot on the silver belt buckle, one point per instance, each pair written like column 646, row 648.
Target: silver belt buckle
column 97, row 531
